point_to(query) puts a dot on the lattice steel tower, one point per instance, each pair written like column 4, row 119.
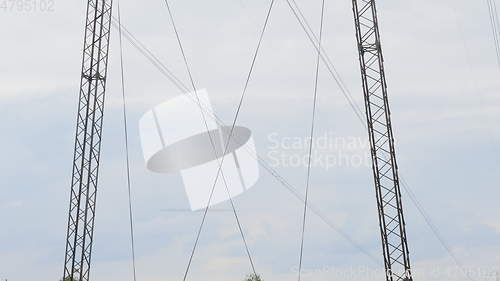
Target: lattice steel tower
column 385, row 168
column 88, row 141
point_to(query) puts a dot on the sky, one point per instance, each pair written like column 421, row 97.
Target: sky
column 443, row 85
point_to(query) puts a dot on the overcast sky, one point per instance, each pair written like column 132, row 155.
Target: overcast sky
column 444, row 93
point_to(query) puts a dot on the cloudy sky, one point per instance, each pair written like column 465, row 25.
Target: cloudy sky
column 444, row 92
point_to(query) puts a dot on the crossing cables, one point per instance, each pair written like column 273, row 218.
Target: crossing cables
column 313, row 118
column 219, row 172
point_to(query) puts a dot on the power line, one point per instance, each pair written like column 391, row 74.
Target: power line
column 163, row 69
column 148, row 54
column 345, row 91
column 495, row 26
column 306, row 27
column 215, row 152
column 230, row 132
column 127, row 154
column 313, row 39
column 313, row 118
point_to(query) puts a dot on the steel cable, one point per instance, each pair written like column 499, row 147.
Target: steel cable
column 313, row 118
column 312, row 37
column 230, row 134
column 125, row 131
column 214, row 148
column 298, row 14
column 495, row 27
column 163, row 69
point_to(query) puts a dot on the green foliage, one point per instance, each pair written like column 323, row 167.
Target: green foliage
column 253, row 277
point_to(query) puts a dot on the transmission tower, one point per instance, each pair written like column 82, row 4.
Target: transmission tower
column 385, row 168
column 88, row 141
